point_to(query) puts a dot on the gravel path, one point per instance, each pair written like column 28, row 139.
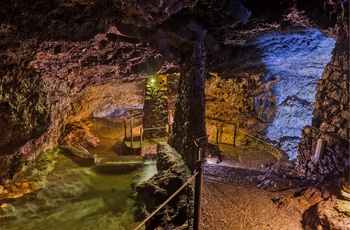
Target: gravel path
column 231, row 201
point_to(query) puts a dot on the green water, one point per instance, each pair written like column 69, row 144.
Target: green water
column 76, row 197
column 81, row 195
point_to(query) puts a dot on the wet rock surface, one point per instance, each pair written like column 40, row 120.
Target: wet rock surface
column 31, row 178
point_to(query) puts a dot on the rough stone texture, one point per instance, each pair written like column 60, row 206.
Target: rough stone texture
column 32, row 176
column 189, row 118
column 151, row 13
column 230, row 100
column 317, row 204
column 52, row 52
column 332, row 160
column 275, row 98
column 172, row 174
column 331, row 118
column 44, row 73
column 110, row 100
column 334, row 214
column 155, row 117
column 173, row 84
column 61, row 61
column 295, row 61
column 76, row 138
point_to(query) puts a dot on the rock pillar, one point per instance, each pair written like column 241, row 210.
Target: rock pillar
column 189, row 118
column 155, row 109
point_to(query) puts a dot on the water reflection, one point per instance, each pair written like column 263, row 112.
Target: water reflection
column 80, row 194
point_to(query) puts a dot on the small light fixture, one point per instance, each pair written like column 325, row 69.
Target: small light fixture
column 152, row 81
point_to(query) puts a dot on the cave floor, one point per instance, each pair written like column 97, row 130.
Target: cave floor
column 232, row 201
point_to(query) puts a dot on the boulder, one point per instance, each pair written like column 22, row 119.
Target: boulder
column 172, row 174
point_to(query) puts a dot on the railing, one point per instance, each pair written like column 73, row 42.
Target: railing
column 131, row 127
column 167, row 201
column 198, row 175
column 266, row 146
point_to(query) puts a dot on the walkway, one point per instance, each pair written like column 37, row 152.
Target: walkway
column 232, row 201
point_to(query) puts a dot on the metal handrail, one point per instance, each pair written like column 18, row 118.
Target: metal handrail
column 167, row 201
column 160, row 127
column 250, row 135
column 138, row 116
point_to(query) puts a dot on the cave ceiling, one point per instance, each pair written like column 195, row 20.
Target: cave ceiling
column 52, row 51
column 168, row 27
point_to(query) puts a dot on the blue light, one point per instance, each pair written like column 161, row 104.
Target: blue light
column 296, row 61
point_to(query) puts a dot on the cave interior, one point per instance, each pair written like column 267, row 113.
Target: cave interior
column 263, row 85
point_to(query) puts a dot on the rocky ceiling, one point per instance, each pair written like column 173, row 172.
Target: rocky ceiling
column 51, row 52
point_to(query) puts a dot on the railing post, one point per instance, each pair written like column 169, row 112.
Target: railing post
column 193, row 167
column 132, row 123
column 124, row 129
column 217, row 135
column 234, row 136
column 198, row 193
column 141, row 137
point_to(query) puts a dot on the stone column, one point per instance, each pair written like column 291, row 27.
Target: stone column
column 189, row 115
column 156, row 107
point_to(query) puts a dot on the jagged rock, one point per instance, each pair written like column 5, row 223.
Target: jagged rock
column 172, row 173
column 345, row 191
column 275, row 183
column 77, row 138
column 53, row 54
column 334, row 214
column 213, row 154
column 31, row 178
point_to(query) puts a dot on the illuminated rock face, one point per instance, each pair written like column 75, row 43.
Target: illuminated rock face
column 62, row 61
column 330, row 120
column 295, row 61
column 155, row 109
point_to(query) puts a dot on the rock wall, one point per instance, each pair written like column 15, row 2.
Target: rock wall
column 274, row 98
column 51, row 52
column 115, row 100
column 330, row 120
column 47, row 62
column 294, row 62
column 24, row 112
column 172, row 174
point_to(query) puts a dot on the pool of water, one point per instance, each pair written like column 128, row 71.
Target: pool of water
column 77, row 197
column 78, row 194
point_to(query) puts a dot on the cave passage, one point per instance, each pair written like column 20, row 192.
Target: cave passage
column 80, row 193
column 269, row 71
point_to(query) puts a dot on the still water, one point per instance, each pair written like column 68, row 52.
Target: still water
column 81, row 195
